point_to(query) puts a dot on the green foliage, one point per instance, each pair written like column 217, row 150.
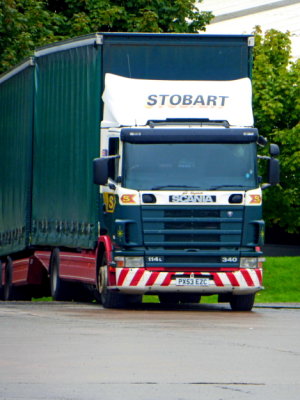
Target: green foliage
column 282, row 204
column 131, row 16
column 275, row 83
column 24, row 25
column 276, row 101
column 27, row 24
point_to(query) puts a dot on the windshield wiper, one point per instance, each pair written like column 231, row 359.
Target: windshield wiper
column 174, row 186
column 229, row 186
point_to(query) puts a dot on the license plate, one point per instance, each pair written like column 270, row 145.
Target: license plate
column 192, row 282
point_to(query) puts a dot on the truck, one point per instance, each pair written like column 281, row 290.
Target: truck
column 129, row 166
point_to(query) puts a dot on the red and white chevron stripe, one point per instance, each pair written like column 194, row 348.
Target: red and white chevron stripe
column 141, row 278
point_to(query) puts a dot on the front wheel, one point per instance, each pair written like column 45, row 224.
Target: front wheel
column 242, row 302
column 108, row 297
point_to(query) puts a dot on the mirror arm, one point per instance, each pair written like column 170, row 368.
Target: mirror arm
column 112, row 184
column 265, row 186
column 263, row 157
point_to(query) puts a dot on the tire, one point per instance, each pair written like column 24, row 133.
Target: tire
column 108, row 298
column 8, row 286
column 10, row 292
column 1, row 283
column 242, row 302
column 59, row 288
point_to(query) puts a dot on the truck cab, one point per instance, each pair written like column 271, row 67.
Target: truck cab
column 183, row 205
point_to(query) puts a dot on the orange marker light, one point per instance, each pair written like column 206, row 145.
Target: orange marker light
column 255, row 199
column 128, row 198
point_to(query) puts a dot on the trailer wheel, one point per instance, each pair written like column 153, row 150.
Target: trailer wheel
column 8, row 286
column 59, row 288
column 242, row 302
column 108, row 298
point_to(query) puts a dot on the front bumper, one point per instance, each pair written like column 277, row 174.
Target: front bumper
column 142, row 281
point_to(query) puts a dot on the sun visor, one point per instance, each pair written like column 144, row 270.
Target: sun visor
column 131, row 102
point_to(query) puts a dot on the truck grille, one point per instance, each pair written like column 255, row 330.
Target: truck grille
column 192, row 235
column 178, row 222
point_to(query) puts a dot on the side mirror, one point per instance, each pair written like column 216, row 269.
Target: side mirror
column 100, row 171
column 274, row 171
column 274, row 150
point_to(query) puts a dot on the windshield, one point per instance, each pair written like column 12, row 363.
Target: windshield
column 202, row 166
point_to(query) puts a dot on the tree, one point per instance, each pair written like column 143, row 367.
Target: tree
column 27, row 24
column 131, row 15
column 276, row 101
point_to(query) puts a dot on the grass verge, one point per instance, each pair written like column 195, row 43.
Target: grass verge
column 281, row 279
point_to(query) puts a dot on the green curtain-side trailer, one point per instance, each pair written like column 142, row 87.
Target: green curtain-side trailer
column 51, row 111
column 66, row 139
column 16, row 136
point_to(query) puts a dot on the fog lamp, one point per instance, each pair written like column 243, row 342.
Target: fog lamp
column 249, row 262
column 133, row 262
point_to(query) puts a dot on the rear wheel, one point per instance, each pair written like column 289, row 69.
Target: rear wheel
column 8, row 287
column 1, row 283
column 8, row 291
column 59, row 288
column 242, row 302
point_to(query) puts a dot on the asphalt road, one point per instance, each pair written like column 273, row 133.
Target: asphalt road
column 68, row 351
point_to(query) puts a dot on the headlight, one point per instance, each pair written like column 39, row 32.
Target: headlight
column 249, row 262
column 130, row 262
